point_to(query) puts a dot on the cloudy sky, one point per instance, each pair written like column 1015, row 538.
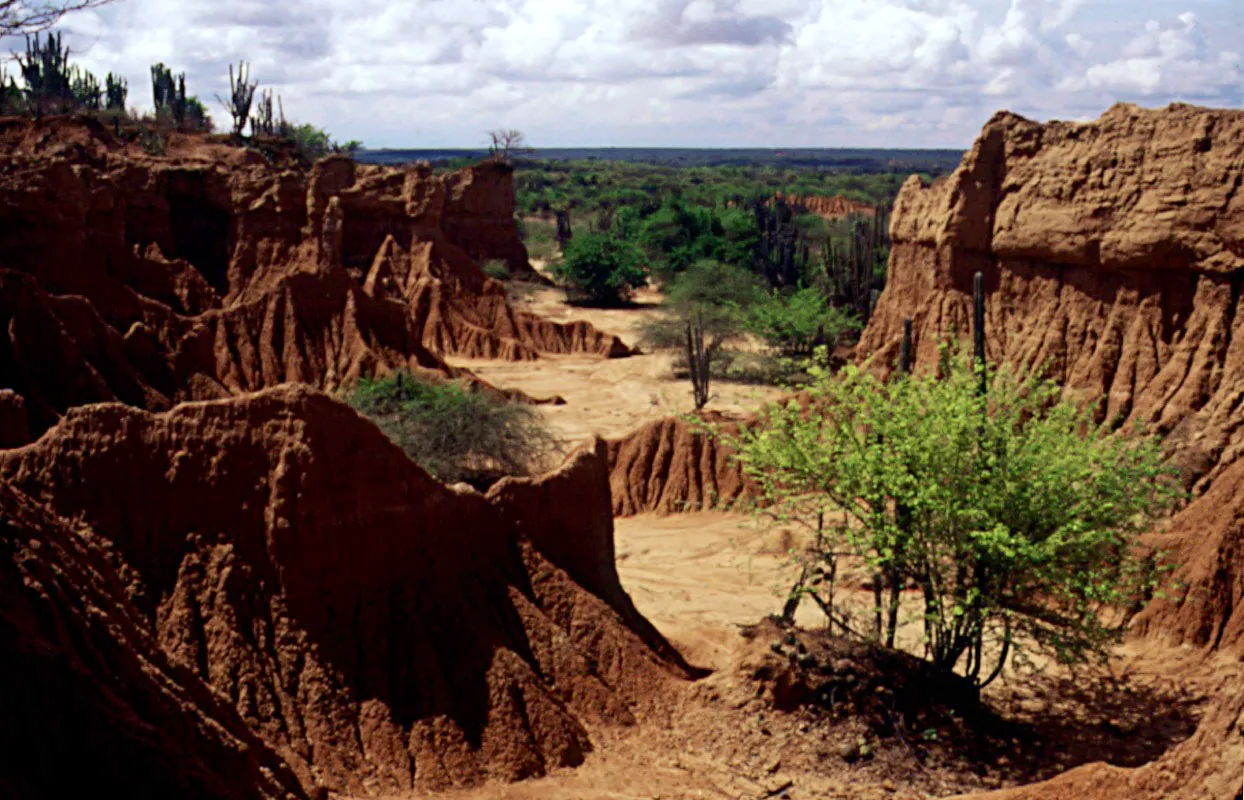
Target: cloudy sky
column 823, row 73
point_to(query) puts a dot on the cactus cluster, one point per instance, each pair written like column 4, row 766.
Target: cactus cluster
column 855, row 270
column 782, row 253
column 168, row 93
column 46, row 72
column 269, row 118
column 116, row 92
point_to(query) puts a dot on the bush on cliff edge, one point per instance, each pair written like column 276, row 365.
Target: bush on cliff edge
column 455, row 433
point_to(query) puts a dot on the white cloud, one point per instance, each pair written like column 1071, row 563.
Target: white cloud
column 709, row 72
column 1172, row 59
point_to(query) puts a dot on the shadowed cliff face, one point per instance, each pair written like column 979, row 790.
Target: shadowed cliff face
column 1113, row 256
column 214, row 271
column 376, row 630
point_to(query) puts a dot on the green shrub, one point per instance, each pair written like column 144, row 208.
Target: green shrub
column 1011, row 512
column 453, row 432
column 311, row 142
column 795, row 323
column 600, row 269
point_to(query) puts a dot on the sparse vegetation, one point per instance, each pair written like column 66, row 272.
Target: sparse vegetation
column 452, row 431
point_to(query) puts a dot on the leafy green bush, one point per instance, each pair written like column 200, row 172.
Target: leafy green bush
column 600, row 269
column 795, row 323
column 1014, row 515
column 454, row 433
column 311, row 142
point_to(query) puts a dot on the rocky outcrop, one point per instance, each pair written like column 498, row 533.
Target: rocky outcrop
column 92, row 705
column 216, row 270
column 672, row 466
column 830, row 207
column 1113, row 256
column 375, row 630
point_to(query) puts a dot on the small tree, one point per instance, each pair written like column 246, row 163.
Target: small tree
column 600, row 269
column 1012, row 513
column 168, row 93
column 12, row 100
column 506, row 143
column 704, row 313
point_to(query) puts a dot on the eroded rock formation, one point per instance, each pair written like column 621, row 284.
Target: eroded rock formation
column 214, row 271
column 375, row 630
column 1113, row 256
column 672, row 466
column 830, row 207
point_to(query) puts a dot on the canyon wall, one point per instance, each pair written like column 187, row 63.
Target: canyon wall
column 215, row 270
column 327, row 615
column 1113, row 255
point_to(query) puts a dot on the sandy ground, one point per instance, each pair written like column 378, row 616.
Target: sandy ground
column 701, row 578
column 610, row 397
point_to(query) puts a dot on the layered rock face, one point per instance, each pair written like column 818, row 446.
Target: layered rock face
column 293, row 604
column 1113, row 256
column 216, row 271
column 830, row 207
column 671, row 466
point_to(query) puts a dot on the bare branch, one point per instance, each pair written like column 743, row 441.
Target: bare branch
column 18, row 17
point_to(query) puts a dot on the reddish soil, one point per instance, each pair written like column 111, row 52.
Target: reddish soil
column 216, row 270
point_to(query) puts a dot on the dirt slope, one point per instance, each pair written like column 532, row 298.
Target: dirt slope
column 92, row 705
column 1112, row 256
column 378, row 631
column 216, row 270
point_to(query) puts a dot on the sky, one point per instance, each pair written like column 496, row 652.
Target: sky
column 681, row 73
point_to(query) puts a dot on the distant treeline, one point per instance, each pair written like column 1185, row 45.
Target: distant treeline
column 858, row 160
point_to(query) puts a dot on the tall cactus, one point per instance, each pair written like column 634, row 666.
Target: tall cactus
column 269, row 117
column 698, row 360
column 781, row 256
column 564, row 231
column 978, row 328
column 117, row 90
column 241, row 96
